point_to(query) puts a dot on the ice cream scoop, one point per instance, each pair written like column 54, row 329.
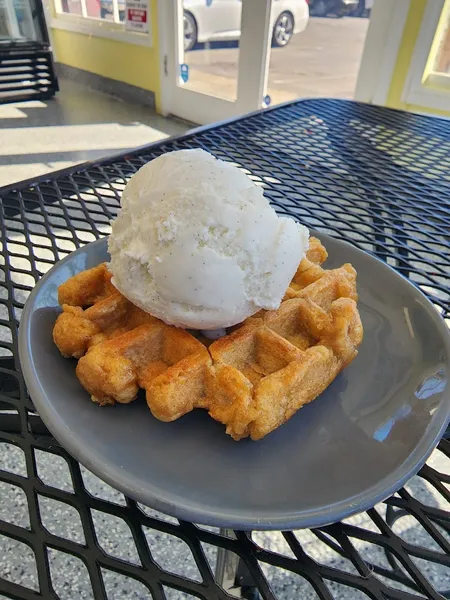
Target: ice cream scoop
column 197, row 244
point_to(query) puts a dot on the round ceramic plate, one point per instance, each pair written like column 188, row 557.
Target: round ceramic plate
column 356, row 444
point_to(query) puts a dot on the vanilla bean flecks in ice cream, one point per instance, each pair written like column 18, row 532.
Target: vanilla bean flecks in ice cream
column 197, row 244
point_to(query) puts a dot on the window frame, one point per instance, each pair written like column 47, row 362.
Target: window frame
column 423, row 86
column 381, row 47
column 95, row 27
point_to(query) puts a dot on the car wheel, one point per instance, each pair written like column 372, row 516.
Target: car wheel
column 360, row 10
column 283, row 30
column 189, row 31
column 320, row 8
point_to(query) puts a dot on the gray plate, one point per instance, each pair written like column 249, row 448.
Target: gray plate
column 365, row 436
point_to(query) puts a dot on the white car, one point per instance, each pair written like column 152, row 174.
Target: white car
column 217, row 20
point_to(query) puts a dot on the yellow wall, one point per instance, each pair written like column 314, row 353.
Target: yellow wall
column 409, row 38
column 135, row 65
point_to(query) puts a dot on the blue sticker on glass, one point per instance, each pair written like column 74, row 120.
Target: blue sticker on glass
column 267, row 100
column 184, row 72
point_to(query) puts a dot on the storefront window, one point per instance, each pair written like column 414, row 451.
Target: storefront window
column 72, row 7
column 108, row 10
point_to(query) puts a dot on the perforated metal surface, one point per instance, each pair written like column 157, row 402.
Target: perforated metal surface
column 377, row 178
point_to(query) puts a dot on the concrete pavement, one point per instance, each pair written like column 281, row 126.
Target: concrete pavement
column 323, row 61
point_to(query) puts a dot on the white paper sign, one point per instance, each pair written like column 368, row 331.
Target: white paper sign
column 137, row 15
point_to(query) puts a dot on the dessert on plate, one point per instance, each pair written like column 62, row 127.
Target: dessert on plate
column 198, row 253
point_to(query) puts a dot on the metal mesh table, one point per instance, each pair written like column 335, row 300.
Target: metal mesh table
column 374, row 177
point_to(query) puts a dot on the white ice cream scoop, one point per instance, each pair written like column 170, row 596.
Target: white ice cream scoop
column 197, row 245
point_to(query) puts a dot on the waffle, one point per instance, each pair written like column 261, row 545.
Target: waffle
column 251, row 380
column 87, row 288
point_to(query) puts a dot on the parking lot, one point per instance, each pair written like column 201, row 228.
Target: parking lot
column 321, row 61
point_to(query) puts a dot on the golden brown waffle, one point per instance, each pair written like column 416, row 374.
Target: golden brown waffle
column 252, row 380
column 76, row 330
column 87, row 288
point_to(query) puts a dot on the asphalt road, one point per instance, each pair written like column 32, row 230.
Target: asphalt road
column 321, row 61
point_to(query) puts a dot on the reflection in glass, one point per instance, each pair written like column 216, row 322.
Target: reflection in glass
column 72, row 7
column 16, row 20
column 108, row 10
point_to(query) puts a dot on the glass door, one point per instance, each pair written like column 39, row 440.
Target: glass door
column 321, row 56
column 215, row 57
column 22, row 19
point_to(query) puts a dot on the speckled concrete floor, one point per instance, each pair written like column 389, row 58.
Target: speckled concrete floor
column 78, row 126
column 70, row 577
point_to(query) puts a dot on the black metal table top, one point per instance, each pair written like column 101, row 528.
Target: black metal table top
column 375, row 177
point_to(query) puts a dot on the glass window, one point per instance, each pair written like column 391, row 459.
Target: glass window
column 105, row 10
column 428, row 80
column 72, row 7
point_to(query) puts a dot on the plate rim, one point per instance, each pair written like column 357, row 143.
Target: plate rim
column 159, row 499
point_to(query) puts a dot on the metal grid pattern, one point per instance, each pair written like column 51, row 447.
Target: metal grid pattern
column 374, row 177
column 26, row 71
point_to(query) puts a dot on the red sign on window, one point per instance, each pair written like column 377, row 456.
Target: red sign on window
column 136, row 15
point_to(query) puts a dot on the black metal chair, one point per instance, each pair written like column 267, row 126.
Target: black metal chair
column 26, row 71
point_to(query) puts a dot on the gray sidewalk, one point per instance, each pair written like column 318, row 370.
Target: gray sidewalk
column 76, row 125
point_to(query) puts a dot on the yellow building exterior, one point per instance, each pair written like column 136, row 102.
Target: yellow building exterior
column 139, row 65
column 404, row 57
column 129, row 63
